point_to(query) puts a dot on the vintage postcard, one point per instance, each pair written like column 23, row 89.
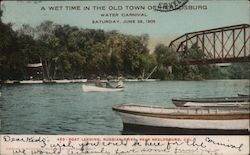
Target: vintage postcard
column 132, row 77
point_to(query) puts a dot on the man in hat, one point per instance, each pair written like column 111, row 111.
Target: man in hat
column 108, row 85
column 98, row 82
column 120, row 82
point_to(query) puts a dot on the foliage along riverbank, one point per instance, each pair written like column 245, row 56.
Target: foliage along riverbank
column 69, row 52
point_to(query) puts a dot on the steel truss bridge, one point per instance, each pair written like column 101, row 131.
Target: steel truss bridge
column 220, row 45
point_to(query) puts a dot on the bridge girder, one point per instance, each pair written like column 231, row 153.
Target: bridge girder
column 220, row 45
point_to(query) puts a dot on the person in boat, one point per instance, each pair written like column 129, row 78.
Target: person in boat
column 120, row 82
column 98, row 82
column 108, row 85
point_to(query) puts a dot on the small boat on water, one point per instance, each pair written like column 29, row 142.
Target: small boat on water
column 71, row 81
column 62, row 81
column 180, row 102
column 86, row 88
column 78, row 80
column 31, row 81
column 219, row 104
column 183, row 120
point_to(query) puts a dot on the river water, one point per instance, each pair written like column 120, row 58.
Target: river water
column 66, row 109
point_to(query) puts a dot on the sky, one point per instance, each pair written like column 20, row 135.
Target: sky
column 168, row 25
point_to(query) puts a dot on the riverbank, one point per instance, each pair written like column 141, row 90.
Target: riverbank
column 71, row 81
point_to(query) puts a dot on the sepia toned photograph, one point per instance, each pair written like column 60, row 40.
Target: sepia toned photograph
column 124, row 67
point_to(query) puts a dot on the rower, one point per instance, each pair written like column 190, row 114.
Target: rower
column 98, row 82
column 108, row 85
column 120, row 82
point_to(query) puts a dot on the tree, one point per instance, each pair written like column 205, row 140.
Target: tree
column 115, row 44
column 69, row 65
column 239, row 71
column 98, row 59
column 165, row 57
column 194, row 52
column 147, row 64
column 195, row 72
column 11, row 57
column 48, row 45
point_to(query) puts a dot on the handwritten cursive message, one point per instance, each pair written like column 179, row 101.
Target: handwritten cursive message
column 123, row 145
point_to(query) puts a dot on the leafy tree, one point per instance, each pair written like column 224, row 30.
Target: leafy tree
column 98, row 59
column 239, row 71
column 147, row 64
column 71, row 52
column 69, row 64
column 195, row 72
column 166, row 57
column 10, row 65
column 116, row 44
column 194, row 52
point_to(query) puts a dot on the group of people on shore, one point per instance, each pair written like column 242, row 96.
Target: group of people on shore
column 99, row 83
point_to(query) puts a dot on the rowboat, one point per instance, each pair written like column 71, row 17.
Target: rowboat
column 180, row 102
column 86, row 88
column 183, row 120
column 219, row 104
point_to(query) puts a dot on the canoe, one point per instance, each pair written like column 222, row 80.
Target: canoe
column 86, row 88
column 183, row 120
column 180, row 102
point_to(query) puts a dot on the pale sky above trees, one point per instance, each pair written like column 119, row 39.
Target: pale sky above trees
column 168, row 26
